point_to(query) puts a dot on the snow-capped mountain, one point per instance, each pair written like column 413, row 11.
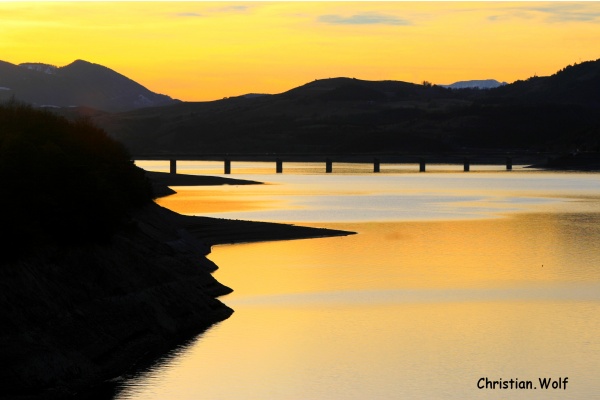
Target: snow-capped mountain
column 80, row 83
column 476, row 84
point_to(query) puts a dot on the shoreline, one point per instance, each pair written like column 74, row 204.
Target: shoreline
column 168, row 179
column 161, row 181
column 576, row 162
column 77, row 316
column 209, row 232
column 79, row 319
column 213, row 231
column 216, row 231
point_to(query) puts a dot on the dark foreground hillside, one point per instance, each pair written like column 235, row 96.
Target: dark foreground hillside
column 73, row 317
column 65, row 182
column 94, row 276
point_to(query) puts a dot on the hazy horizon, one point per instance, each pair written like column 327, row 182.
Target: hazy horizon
column 196, row 51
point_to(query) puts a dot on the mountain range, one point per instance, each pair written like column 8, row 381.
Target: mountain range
column 80, row 83
column 559, row 113
column 85, row 84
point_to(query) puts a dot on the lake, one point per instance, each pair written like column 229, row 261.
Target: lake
column 452, row 278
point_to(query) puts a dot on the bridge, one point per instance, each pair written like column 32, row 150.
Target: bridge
column 377, row 160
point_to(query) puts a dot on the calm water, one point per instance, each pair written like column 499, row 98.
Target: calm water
column 452, row 277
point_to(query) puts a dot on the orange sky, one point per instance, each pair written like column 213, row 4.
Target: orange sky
column 209, row 50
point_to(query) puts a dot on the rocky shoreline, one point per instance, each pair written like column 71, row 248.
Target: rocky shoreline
column 74, row 318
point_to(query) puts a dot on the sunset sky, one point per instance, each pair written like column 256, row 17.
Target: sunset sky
column 209, row 50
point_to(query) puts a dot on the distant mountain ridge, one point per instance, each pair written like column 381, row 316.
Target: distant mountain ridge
column 346, row 115
column 81, row 84
column 475, row 84
column 339, row 115
column 577, row 84
column 39, row 67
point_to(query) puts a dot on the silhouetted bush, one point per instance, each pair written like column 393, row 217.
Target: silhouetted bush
column 63, row 183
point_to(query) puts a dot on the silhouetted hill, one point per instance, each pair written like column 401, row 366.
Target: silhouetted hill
column 93, row 274
column 351, row 89
column 575, row 84
column 78, row 84
column 62, row 170
column 326, row 115
column 345, row 115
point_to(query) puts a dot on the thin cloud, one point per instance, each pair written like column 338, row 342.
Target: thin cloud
column 513, row 14
column 188, row 14
column 571, row 12
column 236, row 8
column 554, row 13
column 232, row 9
column 219, row 10
column 363, row 19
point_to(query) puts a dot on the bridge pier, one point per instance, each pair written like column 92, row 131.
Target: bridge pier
column 495, row 159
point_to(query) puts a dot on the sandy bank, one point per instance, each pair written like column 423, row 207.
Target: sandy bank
column 212, row 231
column 162, row 180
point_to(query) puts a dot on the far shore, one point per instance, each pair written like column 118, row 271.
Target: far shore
column 577, row 161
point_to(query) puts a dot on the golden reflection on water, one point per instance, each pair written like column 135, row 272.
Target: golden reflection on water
column 292, row 332
column 185, row 201
column 407, row 351
column 402, row 310
column 505, row 252
column 400, row 197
